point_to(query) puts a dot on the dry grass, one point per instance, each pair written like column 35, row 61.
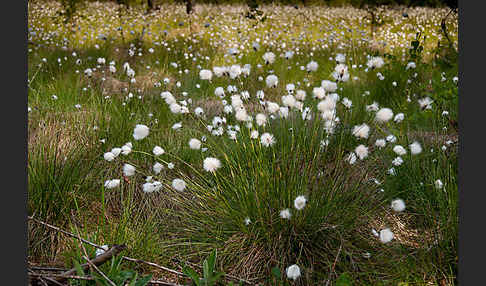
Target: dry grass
column 401, row 226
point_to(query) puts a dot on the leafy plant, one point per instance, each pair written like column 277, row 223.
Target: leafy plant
column 210, row 276
column 344, row 280
column 417, row 47
column 119, row 276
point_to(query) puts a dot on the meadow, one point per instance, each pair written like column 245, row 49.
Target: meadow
column 303, row 145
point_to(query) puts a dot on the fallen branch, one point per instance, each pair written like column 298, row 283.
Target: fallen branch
column 91, row 264
column 100, row 247
column 97, row 261
column 89, row 278
column 47, row 268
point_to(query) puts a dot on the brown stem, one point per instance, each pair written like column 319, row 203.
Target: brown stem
column 97, row 261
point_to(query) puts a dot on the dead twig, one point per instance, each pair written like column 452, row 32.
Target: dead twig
column 91, row 264
column 47, row 268
column 334, row 265
column 98, row 260
column 48, row 276
column 154, row 265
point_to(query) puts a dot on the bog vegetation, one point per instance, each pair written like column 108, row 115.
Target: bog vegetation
column 273, row 145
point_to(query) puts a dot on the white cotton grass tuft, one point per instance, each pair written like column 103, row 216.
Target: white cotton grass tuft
column 293, row 272
column 126, row 149
column 108, row 156
column 269, row 57
column 415, row 148
column 175, row 108
column 361, row 131
column 326, row 104
column 211, row 164
column 312, row 66
column 195, row 144
column 110, row 184
column 157, row 168
column 351, row 158
column 397, row 161
column 375, row 62
column 361, row 151
column 391, row 138
column 329, row 86
column 242, row 115
column 319, row 92
column 271, row 80
column 384, row 115
column 285, row 214
column 179, row 184
column 116, row 151
column 386, row 235
column 205, row 74
column 267, row 139
column 340, row 58
column 288, row 100
column 219, row 92
column 300, row 95
column 261, row 119
column 272, row 107
column 398, row 205
column 151, row 187
column 380, row 143
column 399, row 150
column 128, row 170
column 247, row 221
column 198, row 111
column 299, row 202
column 158, row 151
column 141, row 131
column 399, row 117
column 438, row 184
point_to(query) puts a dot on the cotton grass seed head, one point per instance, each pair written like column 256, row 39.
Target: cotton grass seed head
column 271, row 80
column 157, row 168
column 438, row 184
column 386, row 235
column 415, row 148
column 158, row 151
column 361, row 131
column 108, row 156
column 299, row 202
column 384, row 115
column 211, row 164
column 361, row 151
column 110, row 184
column 380, row 143
column 285, row 214
column 128, row 170
column 141, row 131
column 179, row 184
column 351, row 158
column 205, row 74
column 399, row 150
column 293, row 272
column 398, row 205
column 267, row 139
column 261, row 119
column 195, row 144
